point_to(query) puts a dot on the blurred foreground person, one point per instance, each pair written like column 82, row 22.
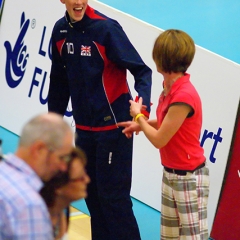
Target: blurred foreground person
column 44, row 147
column 63, row 189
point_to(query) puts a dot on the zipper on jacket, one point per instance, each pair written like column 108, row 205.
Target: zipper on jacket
column 110, row 158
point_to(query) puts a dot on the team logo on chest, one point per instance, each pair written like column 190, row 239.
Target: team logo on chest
column 85, row 50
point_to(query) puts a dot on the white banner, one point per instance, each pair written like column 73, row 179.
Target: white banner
column 24, row 72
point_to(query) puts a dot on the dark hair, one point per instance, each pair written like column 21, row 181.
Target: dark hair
column 48, row 192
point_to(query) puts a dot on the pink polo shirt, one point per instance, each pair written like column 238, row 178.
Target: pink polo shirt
column 183, row 151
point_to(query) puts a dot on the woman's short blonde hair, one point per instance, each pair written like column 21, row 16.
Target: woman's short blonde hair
column 173, row 51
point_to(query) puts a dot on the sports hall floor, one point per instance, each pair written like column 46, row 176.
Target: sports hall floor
column 214, row 25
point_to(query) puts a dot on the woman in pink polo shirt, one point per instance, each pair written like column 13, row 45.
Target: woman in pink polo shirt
column 176, row 132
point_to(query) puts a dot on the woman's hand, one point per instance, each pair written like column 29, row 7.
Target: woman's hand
column 129, row 128
column 136, row 107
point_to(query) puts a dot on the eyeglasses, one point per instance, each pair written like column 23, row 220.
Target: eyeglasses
column 64, row 157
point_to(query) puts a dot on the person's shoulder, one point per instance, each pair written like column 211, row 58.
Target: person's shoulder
column 102, row 18
column 60, row 23
column 186, row 89
column 15, row 189
column 186, row 93
column 15, row 201
column 189, row 88
column 60, row 29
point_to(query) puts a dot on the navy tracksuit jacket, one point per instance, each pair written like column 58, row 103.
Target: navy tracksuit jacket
column 90, row 59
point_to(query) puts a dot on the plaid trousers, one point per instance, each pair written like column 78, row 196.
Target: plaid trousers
column 184, row 205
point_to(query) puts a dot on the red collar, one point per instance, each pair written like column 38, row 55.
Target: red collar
column 179, row 82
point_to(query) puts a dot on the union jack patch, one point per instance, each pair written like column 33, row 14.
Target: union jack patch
column 85, row 50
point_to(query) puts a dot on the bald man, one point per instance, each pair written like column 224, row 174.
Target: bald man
column 44, row 149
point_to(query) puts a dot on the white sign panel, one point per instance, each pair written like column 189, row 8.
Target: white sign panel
column 25, row 55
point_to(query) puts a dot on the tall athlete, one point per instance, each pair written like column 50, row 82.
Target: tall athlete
column 90, row 57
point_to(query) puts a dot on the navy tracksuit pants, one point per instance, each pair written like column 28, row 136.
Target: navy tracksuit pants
column 109, row 166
